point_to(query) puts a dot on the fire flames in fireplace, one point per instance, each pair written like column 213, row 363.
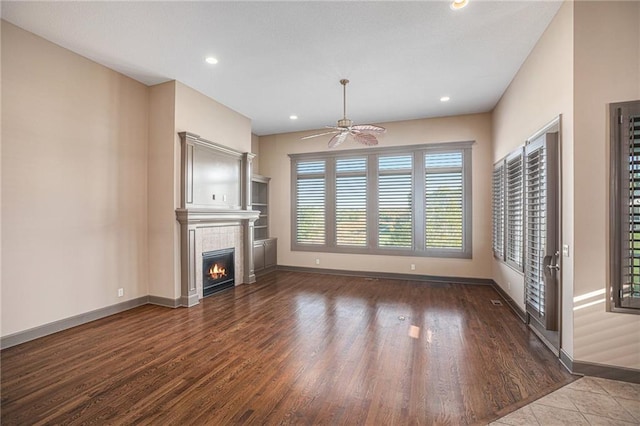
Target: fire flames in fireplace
column 216, row 272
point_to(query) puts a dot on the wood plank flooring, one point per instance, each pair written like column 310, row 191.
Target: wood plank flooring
column 294, row 348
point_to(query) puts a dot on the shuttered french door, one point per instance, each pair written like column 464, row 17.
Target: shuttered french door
column 541, row 263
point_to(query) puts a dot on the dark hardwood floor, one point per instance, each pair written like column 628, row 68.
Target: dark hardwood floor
column 293, row 348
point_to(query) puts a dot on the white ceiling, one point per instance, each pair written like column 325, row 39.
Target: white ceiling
column 283, row 58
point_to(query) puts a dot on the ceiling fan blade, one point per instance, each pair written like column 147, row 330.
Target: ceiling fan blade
column 369, row 128
column 338, row 139
column 365, row 138
column 320, row 134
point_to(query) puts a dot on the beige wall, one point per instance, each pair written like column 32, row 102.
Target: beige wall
column 164, row 265
column 90, row 181
column 606, row 61
column 576, row 70
column 199, row 114
column 74, row 184
column 542, row 90
column 274, row 162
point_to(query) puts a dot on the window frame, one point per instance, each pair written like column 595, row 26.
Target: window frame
column 418, row 153
column 618, row 166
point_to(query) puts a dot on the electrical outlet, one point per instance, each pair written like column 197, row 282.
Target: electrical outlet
column 413, row 266
column 317, row 261
column 565, row 250
column 120, row 292
column 508, row 286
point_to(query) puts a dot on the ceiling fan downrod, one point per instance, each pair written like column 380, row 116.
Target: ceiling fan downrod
column 345, row 122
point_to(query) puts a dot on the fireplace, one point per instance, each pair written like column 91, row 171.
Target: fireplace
column 217, row 271
column 215, row 213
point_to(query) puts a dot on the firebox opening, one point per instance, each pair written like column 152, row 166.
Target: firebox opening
column 217, row 271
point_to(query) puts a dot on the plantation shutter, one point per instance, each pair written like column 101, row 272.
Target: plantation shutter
column 444, row 200
column 514, row 216
column 541, row 255
column 351, row 202
column 311, row 202
column 395, row 196
column 626, row 209
column 498, row 202
column 397, row 201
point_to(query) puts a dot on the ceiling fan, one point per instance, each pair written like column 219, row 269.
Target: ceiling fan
column 363, row 133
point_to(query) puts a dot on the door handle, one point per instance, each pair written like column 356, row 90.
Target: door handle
column 555, row 266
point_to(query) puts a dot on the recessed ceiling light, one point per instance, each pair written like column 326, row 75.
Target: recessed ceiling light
column 293, row 117
column 459, row 4
column 444, row 99
column 211, row 60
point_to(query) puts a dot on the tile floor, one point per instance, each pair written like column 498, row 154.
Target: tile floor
column 587, row 401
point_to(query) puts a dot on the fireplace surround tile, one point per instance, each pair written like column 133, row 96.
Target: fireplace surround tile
column 217, row 238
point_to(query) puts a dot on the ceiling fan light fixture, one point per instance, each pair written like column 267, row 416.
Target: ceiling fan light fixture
column 459, row 4
column 345, row 122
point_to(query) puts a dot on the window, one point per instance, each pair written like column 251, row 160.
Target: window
column 410, row 201
column 351, row 202
column 311, row 203
column 395, row 199
column 498, row 210
column 514, row 209
column 508, row 209
column 624, row 286
column 444, row 209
